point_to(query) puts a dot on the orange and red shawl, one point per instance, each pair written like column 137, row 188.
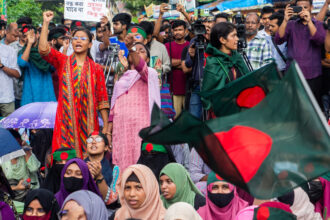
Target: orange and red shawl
column 81, row 94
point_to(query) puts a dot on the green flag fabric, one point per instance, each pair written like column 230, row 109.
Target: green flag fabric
column 268, row 150
column 243, row 93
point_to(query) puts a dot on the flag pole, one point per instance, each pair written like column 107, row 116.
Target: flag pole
column 312, row 98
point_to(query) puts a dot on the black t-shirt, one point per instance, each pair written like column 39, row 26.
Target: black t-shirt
column 184, row 53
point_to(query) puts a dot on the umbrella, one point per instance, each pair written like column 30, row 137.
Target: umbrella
column 9, row 147
column 36, row 115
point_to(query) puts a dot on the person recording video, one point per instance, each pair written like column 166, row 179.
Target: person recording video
column 195, row 60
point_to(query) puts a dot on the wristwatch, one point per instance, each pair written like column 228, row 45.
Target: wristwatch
column 133, row 49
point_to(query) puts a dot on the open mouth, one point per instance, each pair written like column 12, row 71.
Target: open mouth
column 78, row 46
column 132, row 202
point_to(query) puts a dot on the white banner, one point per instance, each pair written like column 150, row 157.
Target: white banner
column 84, row 10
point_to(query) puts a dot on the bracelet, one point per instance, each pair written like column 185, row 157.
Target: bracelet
column 99, row 181
column 108, row 195
column 2, row 66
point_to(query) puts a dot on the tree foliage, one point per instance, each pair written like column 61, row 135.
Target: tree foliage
column 136, row 6
column 33, row 9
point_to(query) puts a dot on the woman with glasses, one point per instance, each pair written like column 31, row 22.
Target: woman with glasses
column 99, row 166
column 40, row 204
column 75, row 176
column 132, row 101
column 82, row 91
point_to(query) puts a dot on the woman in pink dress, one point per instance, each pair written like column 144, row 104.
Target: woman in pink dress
column 133, row 98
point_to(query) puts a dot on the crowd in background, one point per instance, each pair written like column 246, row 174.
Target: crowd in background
column 84, row 170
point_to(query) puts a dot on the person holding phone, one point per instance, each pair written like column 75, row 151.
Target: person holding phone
column 305, row 37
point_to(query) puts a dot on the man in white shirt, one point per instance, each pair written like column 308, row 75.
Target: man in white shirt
column 8, row 70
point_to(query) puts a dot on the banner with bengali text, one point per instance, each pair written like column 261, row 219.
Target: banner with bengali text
column 84, row 10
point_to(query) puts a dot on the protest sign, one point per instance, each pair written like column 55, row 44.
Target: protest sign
column 84, row 10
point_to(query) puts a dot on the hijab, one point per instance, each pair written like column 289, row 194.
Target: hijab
column 212, row 211
column 53, row 179
column 324, row 203
column 182, row 211
column 41, row 141
column 93, row 205
column 46, row 200
column 185, row 188
column 156, row 157
column 88, row 182
column 152, row 207
column 302, row 207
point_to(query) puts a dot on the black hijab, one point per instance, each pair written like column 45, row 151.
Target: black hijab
column 46, row 199
column 53, row 178
column 41, row 141
column 156, row 161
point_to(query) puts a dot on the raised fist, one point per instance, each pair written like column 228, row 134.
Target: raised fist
column 48, row 16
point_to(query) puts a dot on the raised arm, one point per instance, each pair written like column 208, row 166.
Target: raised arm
column 44, row 48
column 287, row 15
column 181, row 9
column 158, row 24
column 31, row 38
column 321, row 15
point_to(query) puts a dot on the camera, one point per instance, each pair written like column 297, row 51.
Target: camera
column 199, row 31
column 240, row 26
column 296, row 9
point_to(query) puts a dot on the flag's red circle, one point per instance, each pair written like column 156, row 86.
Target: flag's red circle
column 78, row 23
column 250, row 97
column 64, row 155
column 247, row 148
column 149, row 147
column 134, row 30
column 28, row 180
column 309, row 168
column 263, row 213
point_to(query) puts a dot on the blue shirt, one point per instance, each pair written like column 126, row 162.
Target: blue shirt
column 38, row 85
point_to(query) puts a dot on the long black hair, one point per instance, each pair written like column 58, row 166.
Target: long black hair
column 90, row 38
column 222, row 29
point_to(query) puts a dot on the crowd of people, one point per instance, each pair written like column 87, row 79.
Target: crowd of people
column 84, row 169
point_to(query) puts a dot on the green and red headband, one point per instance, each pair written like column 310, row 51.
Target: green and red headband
column 153, row 147
column 138, row 30
column 270, row 213
column 64, row 155
column 213, row 177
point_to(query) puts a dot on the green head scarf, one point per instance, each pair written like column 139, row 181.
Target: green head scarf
column 185, row 188
column 213, row 177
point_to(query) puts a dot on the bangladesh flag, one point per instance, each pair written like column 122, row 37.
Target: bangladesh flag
column 243, row 93
column 280, row 144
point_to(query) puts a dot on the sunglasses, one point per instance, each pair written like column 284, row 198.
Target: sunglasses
column 81, row 38
column 97, row 140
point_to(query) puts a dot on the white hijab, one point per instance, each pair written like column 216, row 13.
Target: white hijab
column 181, row 211
column 302, row 207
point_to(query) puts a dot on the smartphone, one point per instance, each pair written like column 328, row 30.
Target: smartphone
column 296, row 9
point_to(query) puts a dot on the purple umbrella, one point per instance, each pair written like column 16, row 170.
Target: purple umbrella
column 35, row 115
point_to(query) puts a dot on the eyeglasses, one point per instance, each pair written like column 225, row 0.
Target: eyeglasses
column 81, row 38
column 97, row 140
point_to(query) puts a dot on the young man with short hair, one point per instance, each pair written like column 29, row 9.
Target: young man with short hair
column 178, row 78
column 305, row 38
column 266, row 12
column 221, row 17
column 279, row 52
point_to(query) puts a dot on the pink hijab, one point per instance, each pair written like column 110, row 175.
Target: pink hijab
column 324, row 202
column 210, row 211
